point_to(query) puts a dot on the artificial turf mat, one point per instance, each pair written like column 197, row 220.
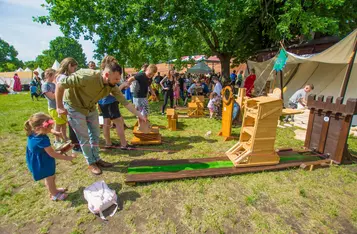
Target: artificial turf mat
column 208, row 165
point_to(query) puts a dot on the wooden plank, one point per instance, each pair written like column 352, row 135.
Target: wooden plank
column 342, row 141
column 325, row 127
column 316, row 130
column 160, row 176
column 309, row 128
column 155, row 162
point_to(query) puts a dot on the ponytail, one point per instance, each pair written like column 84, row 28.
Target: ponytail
column 28, row 128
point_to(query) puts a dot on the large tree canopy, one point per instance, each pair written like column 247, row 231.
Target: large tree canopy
column 8, row 57
column 137, row 31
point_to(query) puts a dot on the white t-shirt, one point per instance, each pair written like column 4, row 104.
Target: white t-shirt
column 217, row 89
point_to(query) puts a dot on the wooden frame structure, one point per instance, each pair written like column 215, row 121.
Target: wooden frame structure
column 172, row 119
column 196, row 106
column 329, row 125
column 258, row 133
column 227, row 111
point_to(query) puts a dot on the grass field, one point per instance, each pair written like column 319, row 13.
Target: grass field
column 291, row 201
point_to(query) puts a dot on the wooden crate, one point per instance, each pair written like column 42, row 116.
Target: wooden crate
column 196, row 106
column 172, row 119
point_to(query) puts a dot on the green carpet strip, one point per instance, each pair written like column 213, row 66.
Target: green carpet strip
column 208, row 165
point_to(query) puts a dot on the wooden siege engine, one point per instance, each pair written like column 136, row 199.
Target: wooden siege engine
column 258, row 133
column 196, row 106
column 329, row 125
column 227, row 111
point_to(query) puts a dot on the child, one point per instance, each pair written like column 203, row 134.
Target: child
column 48, row 89
column 40, row 156
column 176, row 94
column 299, row 97
column 212, row 103
column 33, row 90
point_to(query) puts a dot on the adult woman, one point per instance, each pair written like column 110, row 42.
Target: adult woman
column 17, row 83
column 35, row 85
column 167, row 85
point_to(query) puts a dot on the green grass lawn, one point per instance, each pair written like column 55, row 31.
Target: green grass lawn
column 291, row 201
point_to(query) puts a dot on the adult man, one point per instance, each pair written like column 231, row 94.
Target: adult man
column 158, row 78
column 82, row 90
column 91, row 65
column 141, row 92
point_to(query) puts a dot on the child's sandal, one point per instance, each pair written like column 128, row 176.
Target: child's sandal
column 59, row 196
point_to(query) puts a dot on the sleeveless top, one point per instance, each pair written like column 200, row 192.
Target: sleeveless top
column 169, row 84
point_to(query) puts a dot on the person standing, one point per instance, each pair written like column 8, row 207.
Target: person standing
column 17, row 83
column 167, row 85
column 249, row 83
column 217, row 87
column 48, row 89
column 141, row 92
column 77, row 95
column 240, row 79
column 233, row 77
column 91, row 65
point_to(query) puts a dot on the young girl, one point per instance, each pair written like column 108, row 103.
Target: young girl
column 48, row 89
column 40, row 156
column 67, row 67
column 211, row 104
column 176, row 94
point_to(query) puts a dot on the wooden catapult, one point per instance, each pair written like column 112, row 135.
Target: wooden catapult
column 258, row 132
column 172, row 119
column 227, row 112
column 145, row 134
column 196, row 106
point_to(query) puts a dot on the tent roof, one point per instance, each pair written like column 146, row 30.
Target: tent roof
column 39, row 70
column 200, row 68
column 55, row 65
column 28, row 69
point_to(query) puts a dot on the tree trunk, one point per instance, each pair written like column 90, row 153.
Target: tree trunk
column 225, row 66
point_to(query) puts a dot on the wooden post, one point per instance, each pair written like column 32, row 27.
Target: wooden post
column 349, row 70
column 281, row 86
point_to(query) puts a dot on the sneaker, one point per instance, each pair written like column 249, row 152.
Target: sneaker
column 112, row 146
column 162, row 113
column 77, row 149
column 103, row 163
column 95, row 169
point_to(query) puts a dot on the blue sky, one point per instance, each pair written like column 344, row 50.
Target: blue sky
column 30, row 38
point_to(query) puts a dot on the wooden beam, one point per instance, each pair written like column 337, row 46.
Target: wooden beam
column 349, row 70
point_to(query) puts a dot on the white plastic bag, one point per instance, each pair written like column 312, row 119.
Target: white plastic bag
column 100, row 197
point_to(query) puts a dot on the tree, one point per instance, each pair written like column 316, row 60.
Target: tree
column 8, row 57
column 142, row 30
column 60, row 48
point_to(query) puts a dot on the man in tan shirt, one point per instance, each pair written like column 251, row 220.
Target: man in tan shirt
column 77, row 96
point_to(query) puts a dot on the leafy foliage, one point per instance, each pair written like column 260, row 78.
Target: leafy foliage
column 60, row 48
column 138, row 31
column 8, row 57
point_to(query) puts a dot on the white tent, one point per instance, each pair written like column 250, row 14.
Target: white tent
column 19, row 70
column 326, row 71
column 28, row 69
column 200, row 68
column 55, row 65
column 39, row 70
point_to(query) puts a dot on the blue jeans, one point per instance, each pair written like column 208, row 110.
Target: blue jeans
column 87, row 131
column 182, row 95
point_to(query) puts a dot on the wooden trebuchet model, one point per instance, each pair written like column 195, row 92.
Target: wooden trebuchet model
column 258, row 133
column 241, row 100
column 172, row 118
column 146, row 135
column 329, row 125
column 196, row 106
column 227, row 111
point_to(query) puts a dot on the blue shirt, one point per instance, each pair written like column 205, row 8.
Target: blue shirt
column 40, row 164
column 107, row 100
column 33, row 89
column 233, row 77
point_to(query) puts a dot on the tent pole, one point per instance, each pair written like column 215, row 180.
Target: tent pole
column 281, row 85
column 348, row 72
